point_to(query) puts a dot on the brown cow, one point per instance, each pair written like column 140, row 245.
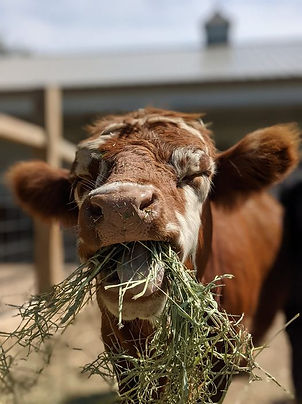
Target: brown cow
column 155, row 175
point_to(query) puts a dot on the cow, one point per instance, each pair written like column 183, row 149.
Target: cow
column 290, row 194
column 156, row 175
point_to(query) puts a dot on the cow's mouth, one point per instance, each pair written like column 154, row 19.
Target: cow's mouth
column 136, row 270
column 134, row 284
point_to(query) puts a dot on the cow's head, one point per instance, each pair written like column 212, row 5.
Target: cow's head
column 150, row 175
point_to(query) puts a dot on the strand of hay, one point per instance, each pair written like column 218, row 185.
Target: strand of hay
column 196, row 348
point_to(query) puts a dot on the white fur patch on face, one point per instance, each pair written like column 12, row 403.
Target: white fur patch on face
column 95, row 143
column 88, row 150
column 189, row 161
column 186, row 161
column 189, row 222
column 117, row 186
column 177, row 121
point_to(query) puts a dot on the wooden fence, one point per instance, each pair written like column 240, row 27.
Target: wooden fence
column 51, row 146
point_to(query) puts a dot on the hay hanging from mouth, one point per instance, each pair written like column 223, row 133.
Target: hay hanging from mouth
column 195, row 349
column 45, row 316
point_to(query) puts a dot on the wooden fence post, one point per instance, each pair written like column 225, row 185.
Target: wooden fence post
column 49, row 259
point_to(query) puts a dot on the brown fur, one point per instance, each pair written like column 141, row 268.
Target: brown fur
column 44, row 191
column 256, row 162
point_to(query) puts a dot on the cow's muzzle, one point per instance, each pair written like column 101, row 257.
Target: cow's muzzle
column 119, row 212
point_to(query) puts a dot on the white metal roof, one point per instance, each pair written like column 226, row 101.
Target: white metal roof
column 275, row 61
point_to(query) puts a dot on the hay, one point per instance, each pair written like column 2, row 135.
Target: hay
column 196, row 348
column 43, row 317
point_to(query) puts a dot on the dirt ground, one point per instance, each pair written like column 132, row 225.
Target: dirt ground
column 62, row 383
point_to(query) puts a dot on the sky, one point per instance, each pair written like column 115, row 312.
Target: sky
column 77, row 26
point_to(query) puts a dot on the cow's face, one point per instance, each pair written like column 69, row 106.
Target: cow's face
column 147, row 176
column 142, row 177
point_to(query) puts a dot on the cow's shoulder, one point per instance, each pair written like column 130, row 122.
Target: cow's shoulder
column 245, row 244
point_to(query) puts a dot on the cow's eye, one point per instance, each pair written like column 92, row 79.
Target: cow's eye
column 190, row 177
column 82, row 185
column 189, row 163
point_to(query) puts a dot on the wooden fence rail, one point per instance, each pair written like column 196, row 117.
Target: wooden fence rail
column 48, row 243
column 28, row 134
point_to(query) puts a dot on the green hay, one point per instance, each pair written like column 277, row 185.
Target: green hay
column 43, row 317
column 196, row 348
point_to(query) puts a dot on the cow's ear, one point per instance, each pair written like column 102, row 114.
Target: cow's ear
column 43, row 191
column 259, row 160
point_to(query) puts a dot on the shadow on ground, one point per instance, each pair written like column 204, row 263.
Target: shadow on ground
column 104, row 398
column 112, row 398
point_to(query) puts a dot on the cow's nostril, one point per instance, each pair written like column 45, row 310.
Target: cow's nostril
column 146, row 201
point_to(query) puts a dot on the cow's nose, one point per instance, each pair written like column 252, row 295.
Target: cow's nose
column 120, row 212
column 126, row 202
